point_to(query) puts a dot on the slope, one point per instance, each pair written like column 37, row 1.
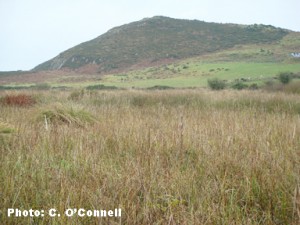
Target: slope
column 157, row 39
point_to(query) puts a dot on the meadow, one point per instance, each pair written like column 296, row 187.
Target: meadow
column 189, row 74
column 163, row 157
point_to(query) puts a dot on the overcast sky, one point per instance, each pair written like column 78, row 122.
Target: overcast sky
column 33, row 31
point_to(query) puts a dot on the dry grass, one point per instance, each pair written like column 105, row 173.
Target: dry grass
column 164, row 157
column 23, row 100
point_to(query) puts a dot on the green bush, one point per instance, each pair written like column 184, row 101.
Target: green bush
column 253, row 86
column 100, row 87
column 160, row 87
column 216, row 84
column 42, row 86
column 239, row 85
column 285, row 77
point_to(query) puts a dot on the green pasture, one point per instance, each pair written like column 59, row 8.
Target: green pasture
column 196, row 74
column 184, row 74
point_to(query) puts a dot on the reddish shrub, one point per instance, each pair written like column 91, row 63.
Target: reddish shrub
column 18, row 100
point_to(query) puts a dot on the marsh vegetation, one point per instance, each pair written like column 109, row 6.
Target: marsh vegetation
column 163, row 157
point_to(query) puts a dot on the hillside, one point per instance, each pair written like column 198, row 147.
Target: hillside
column 156, row 40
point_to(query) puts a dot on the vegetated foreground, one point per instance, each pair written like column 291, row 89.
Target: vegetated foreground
column 163, row 157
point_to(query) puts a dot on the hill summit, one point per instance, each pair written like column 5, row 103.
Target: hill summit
column 157, row 39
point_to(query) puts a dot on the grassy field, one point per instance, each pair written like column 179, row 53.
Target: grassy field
column 196, row 74
column 184, row 74
column 163, row 157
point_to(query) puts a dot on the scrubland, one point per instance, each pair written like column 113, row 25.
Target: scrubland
column 163, row 157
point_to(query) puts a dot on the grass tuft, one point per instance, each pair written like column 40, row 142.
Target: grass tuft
column 59, row 114
column 6, row 128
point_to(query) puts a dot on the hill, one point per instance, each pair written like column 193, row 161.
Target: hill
column 158, row 40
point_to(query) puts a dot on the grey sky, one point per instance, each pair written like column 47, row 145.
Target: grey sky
column 33, row 31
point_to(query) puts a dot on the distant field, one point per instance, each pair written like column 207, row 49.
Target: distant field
column 185, row 74
column 195, row 74
column 163, row 157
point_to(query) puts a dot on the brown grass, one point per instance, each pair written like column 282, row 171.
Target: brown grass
column 22, row 100
column 290, row 88
column 165, row 157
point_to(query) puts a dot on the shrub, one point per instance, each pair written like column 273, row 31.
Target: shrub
column 100, row 87
column 216, row 84
column 239, row 86
column 285, row 77
column 253, row 86
column 42, row 86
column 160, row 87
column 4, row 87
column 18, row 100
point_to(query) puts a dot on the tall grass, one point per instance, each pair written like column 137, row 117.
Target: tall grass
column 164, row 157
